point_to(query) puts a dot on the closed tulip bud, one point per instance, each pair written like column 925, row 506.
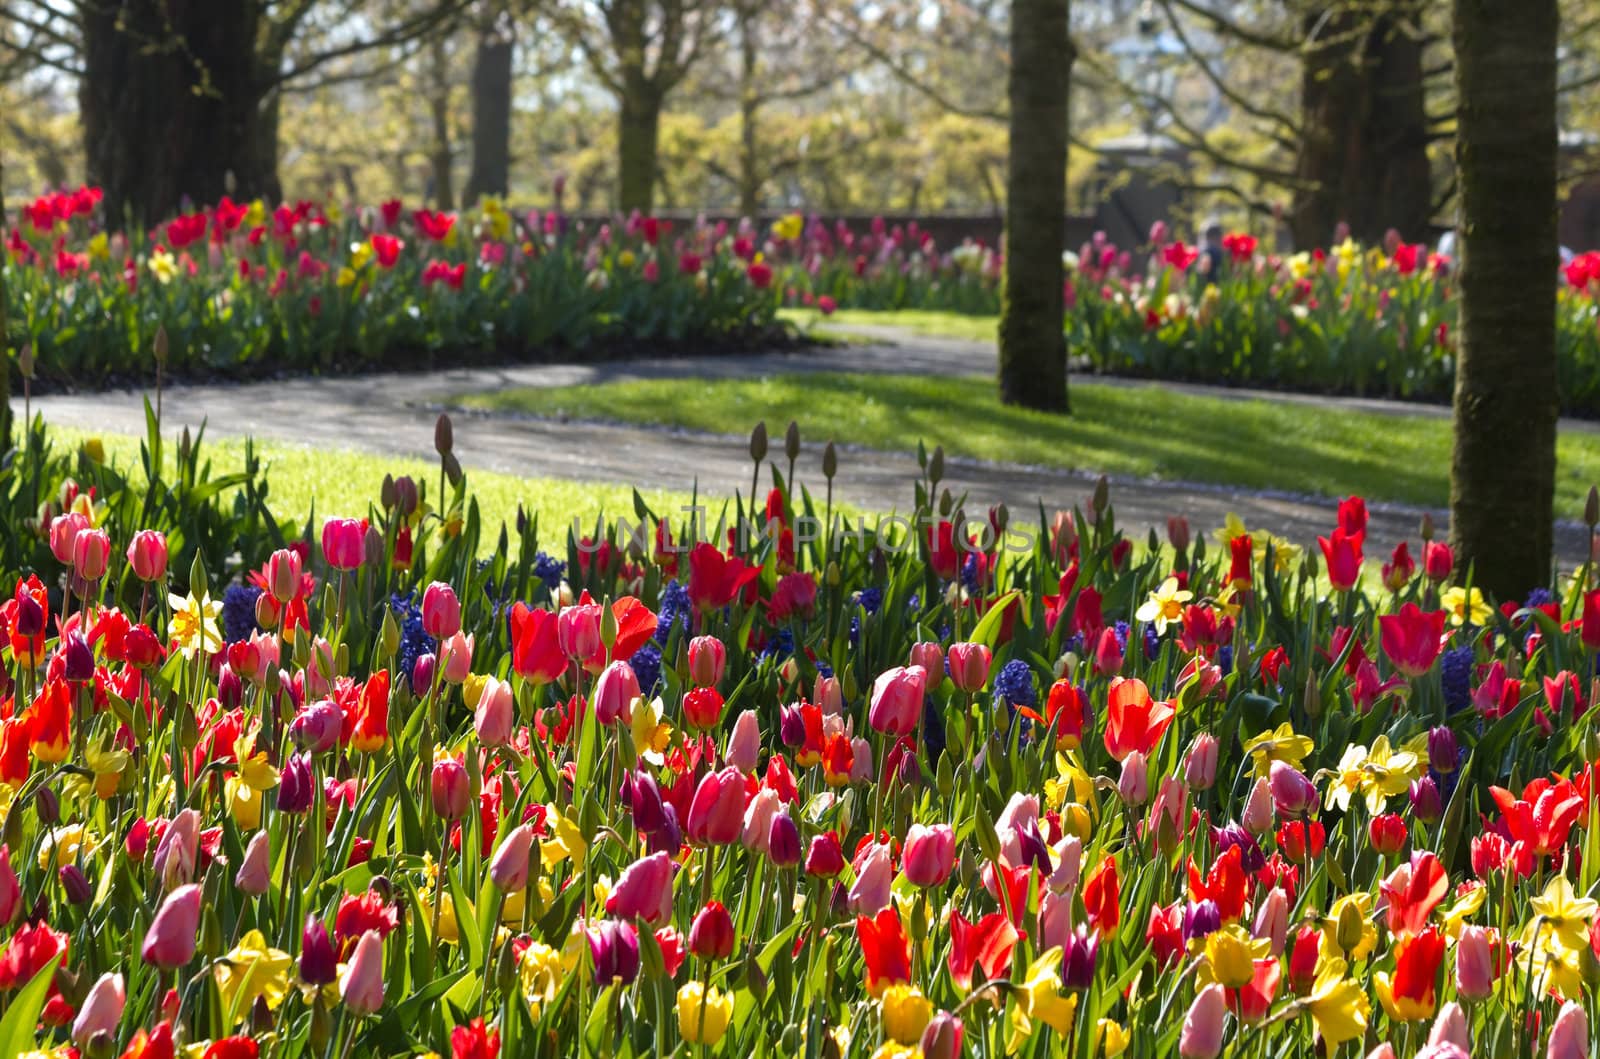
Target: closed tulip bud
column 1201, row 1037
column 1444, row 751
column 758, row 816
column 1425, row 801
column 1569, row 1037
column 422, row 673
column 1272, row 921
column 230, row 689
column 316, row 728
column 283, row 575
column 1108, row 654
column 1134, row 783
column 48, row 807
column 828, row 695
column 941, row 1038
column 928, row 655
column 783, row 841
column 897, row 700
column 74, row 884
column 362, row 987
column 708, row 658
column 644, row 890
column 10, row 889
column 495, row 715
column 758, row 442
column 441, row 611
column 614, row 693
column 147, row 555
column 255, row 871
column 1292, row 792
column 791, row 726
column 871, row 891
column 1350, row 927
column 64, row 530
column 969, row 666
column 711, row 935
column 824, row 857
column 295, row 782
column 929, row 854
column 509, row 869
column 644, row 801
column 101, row 1010
column 91, row 553
column 170, row 941
column 344, row 545
column 77, row 658
column 1200, row 767
column 1055, row 921
column 449, row 789
column 1387, row 833
column 830, row 461
column 1257, row 817
column 1450, row 1028
column 444, row 435
column 716, row 813
column 455, row 656
column 1475, row 964
column 319, row 961
column 578, row 630
column 1591, row 508
column 744, row 745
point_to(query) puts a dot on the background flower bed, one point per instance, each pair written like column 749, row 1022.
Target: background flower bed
column 343, row 786
column 247, row 291
column 1373, row 321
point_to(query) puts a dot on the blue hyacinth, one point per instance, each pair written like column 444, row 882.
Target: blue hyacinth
column 1014, row 684
column 646, row 663
column 549, row 569
column 414, row 641
column 870, row 599
column 1455, row 673
column 674, row 610
column 239, row 612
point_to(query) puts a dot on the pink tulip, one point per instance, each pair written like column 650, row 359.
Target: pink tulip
column 1134, row 782
column 1069, row 862
column 344, row 544
column 509, row 868
column 758, row 819
column 147, row 555
column 1451, row 1028
column 744, row 745
column 1200, row 768
column 175, row 854
column 170, row 941
column 1569, row 1037
column 708, row 659
column 897, row 700
column 283, row 575
column 875, row 876
column 969, row 666
column 929, row 854
column 716, row 814
column 255, row 871
column 91, row 553
column 1202, row 1026
column 1474, row 963
column 1257, row 817
column 1055, row 920
column 928, row 655
column 455, row 658
column 578, row 630
column 614, row 693
column 1272, row 921
column 441, row 611
column 1292, row 792
column 101, row 1010
column 861, row 770
column 827, row 694
column 495, row 715
column 644, row 890
column 362, row 985
column 64, row 530
column 449, row 789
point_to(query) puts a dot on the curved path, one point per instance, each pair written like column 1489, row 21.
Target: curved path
column 394, row 414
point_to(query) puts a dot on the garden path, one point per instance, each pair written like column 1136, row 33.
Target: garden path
column 394, row 414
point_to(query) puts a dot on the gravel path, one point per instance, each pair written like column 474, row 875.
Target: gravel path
column 394, row 414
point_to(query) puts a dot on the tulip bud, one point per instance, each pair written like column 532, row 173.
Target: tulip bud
column 510, row 867
column 75, row 884
column 758, row 442
column 783, row 841
column 1134, row 784
column 255, row 871
column 170, row 941
column 1426, row 804
column 1272, row 922
column 1258, row 816
column 708, row 658
column 448, row 789
column 711, row 934
column 362, row 988
column 830, row 461
column 319, row 962
column 744, row 746
column 1201, row 1037
column 791, row 441
column 444, row 435
column 1200, row 767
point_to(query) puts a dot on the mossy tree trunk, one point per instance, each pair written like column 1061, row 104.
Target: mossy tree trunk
column 1033, row 354
column 491, row 108
column 1502, row 481
column 638, row 139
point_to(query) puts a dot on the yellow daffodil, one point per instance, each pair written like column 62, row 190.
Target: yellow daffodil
column 107, row 764
column 567, row 841
column 1070, row 782
column 651, row 734
column 1230, row 955
column 94, row 450
column 703, row 1013
column 99, row 246
column 69, row 844
column 1280, row 744
column 905, row 1013
column 1347, row 931
column 540, row 974
column 1377, row 774
column 1566, row 916
column 194, row 624
column 1039, row 1000
column 626, row 259
column 252, row 969
column 1165, row 605
column 244, row 803
column 163, row 266
column 360, row 255
column 1464, row 606
column 788, row 227
column 1463, row 908
column 1338, row 1005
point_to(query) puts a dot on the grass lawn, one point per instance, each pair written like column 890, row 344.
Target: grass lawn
column 343, row 483
column 915, row 321
column 1141, row 431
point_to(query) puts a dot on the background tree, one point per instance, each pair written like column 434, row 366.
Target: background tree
column 1502, row 480
column 1033, row 353
column 492, row 73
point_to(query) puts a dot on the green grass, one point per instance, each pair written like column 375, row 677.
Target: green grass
column 344, row 482
column 1142, row 431
column 913, row 321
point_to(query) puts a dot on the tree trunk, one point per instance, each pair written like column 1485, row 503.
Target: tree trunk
column 491, row 111
column 638, row 135
column 1033, row 354
column 749, row 107
column 169, row 103
column 439, row 106
column 1364, row 136
column 1502, row 481
column 265, row 159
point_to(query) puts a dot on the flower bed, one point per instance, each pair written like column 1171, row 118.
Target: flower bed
column 1348, row 319
column 922, row 785
column 243, row 290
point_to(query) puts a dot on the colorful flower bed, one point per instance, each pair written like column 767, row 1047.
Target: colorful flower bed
column 675, row 784
column 246, row 290
column 1348, row 319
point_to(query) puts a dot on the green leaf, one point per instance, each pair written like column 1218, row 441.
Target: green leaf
column 22, row 1016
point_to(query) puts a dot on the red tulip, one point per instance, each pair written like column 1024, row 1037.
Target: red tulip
column 1102, row 896
column 1342, row 553
column 1412, row 638
column 886, row 950
column 441, row 611
column 711, row 935
column 969, row 666
column 344, row 543
column 1437, row 561
column 1133, row 721
column 985, row 945
column 716, row 814
column 1399, row 569
column 715, row 579
column 1387, row 833
column 1414, row 890
column 708, row 659
column 536, row 653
